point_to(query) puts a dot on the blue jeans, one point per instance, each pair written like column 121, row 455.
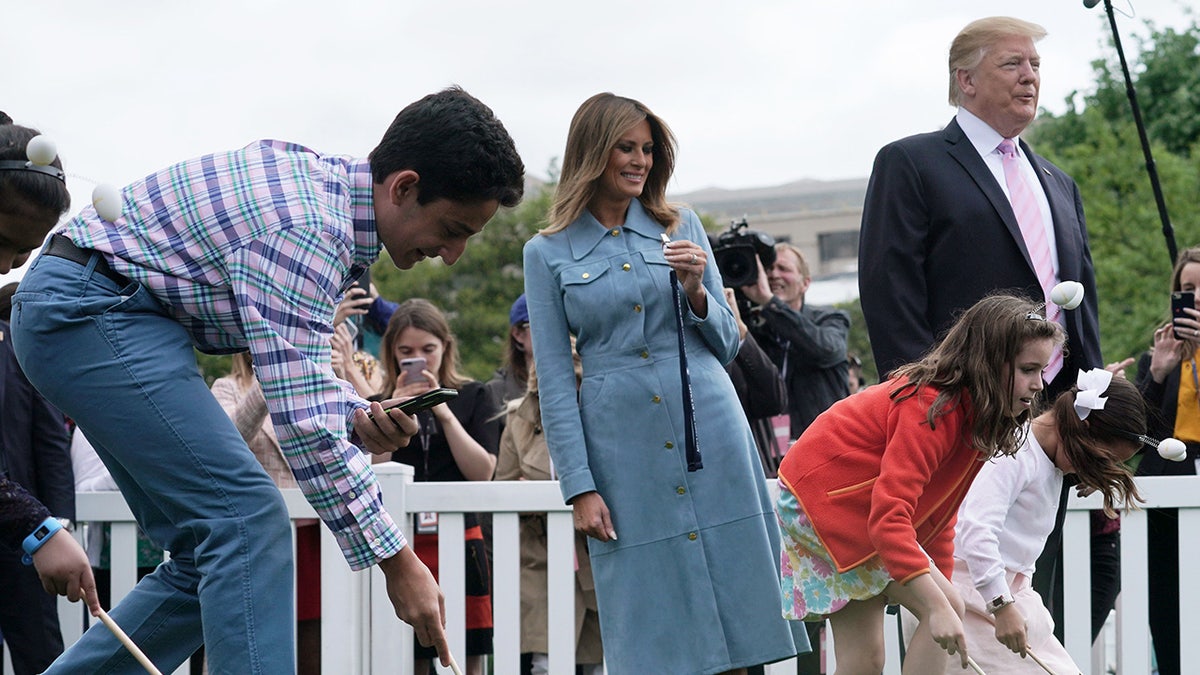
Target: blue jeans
column 117, row 363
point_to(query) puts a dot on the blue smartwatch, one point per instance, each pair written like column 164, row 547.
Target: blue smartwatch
column 39, row 538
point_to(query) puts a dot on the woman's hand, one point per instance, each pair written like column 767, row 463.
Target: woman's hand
column 411, row 388
column 731, row 300
column 356, row 302
column 688, row 259
column 1167, row 354
column 343, row 350
column 592, row 517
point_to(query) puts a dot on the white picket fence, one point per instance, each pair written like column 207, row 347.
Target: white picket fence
column 360, row 634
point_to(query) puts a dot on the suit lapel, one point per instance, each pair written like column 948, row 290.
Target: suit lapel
column 960, row 148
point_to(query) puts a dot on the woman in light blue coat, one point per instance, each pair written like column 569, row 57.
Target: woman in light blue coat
column 685, row 562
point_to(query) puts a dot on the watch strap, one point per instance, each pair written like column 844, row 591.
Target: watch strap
column 1000, row 601
column 38, row 538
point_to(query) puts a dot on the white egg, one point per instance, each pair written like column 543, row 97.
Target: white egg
column 1068, row 294
column 107, row 200
column 41, row 150
column 1172, row 449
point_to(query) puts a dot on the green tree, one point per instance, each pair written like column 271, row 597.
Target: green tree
column 1098, row 145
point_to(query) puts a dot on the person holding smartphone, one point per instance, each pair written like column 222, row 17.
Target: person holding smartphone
column 458, row 441
column 249, row 249
column 1168, row 378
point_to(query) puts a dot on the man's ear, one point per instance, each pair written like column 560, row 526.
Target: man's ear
column 402, row 185
column 966, row 81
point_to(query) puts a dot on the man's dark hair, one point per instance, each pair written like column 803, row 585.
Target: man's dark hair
column 457, row 146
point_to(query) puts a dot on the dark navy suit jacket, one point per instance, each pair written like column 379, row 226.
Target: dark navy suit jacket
column 938, row 234
column 34, row 443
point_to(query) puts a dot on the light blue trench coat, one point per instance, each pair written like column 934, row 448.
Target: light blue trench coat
column 692, row 583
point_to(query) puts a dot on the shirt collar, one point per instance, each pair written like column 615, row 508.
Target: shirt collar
column 362, row 212
column 587, row 232
column 984, row 138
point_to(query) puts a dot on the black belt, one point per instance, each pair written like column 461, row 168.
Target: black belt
column 61, row 247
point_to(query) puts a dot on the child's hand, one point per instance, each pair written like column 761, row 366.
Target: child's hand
column 947, row 631
column 1011, row 629
column 64, row 569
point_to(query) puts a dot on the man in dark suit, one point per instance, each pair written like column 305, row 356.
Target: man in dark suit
column 34, row 453
column 939, row 229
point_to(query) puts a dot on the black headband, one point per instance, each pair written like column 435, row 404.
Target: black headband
column 17, row 165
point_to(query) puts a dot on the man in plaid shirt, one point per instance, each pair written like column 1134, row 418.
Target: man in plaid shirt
column 249, row 250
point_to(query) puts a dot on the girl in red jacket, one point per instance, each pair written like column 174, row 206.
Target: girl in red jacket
column 870, row 492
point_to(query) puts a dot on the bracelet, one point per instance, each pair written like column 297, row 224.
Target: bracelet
column 39, row 538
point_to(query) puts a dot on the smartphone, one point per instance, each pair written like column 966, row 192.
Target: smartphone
column 1181, row 300
column 423, row 402
column 413, row 368
column 364, row 281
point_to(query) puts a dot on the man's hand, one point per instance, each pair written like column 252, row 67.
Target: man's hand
column 417, row 599
column 387, row 431
column 64, row 570
column 592, row 517
column 760, row 292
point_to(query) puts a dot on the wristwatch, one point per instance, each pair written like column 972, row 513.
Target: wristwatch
column 38, row 538
column 1003, row 600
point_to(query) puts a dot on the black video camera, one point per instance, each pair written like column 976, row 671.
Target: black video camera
column 736, row 250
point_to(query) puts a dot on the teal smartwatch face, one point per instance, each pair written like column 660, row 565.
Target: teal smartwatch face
column 38, row 538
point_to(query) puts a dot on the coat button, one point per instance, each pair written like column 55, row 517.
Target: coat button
column 586, row 275
column 668, row 445
column 615, row 231
column 692, row 536
column 637, row 308
column 645, row 355
column 625, row 267
column 656, row 398
column 681, row 490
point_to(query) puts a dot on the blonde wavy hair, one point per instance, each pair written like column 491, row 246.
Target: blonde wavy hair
column 595, row 131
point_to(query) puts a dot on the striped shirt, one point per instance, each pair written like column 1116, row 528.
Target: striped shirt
column 252, row 249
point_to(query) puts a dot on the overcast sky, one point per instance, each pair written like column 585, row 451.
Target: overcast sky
column 758, row 92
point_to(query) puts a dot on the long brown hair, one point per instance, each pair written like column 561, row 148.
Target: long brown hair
column 976, row 359
column 423, row 315
column 1092, row 445
column 595, row 131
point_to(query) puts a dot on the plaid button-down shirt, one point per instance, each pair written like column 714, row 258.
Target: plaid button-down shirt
column 253, row 249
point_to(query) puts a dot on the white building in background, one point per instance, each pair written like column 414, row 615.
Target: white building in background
column 820, row 217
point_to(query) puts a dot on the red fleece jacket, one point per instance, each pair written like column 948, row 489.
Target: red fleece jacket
column 875, row 479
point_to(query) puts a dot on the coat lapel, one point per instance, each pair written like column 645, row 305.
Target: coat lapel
column 960, row 148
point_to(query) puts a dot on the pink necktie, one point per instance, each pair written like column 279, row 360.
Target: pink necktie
column 1029, row 217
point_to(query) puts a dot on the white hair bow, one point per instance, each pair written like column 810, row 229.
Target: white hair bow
column 1091, row 384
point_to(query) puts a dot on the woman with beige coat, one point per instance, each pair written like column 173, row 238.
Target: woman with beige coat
column 524, row 456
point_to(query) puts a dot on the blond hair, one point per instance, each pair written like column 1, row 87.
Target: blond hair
column 973, row 42
column 595, row 130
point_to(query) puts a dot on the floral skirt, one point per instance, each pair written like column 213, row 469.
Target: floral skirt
column 811, row 585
